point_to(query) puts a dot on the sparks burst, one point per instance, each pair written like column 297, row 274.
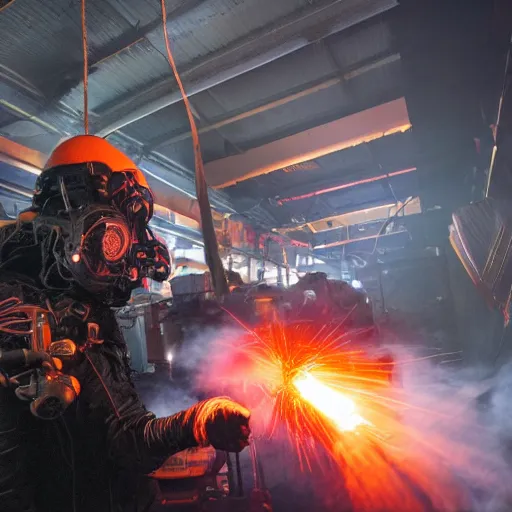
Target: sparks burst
column 306, row 381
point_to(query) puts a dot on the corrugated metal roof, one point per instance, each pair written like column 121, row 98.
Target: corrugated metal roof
column 172, row 119
column 287, row 119
column 140, row 11
column 297, row 71
column 41, row 41
column 217, row 23
column 125, row 73
column 285, row 74
column 33, row 36
column 375, row 87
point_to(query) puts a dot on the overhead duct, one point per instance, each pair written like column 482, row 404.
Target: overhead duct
column 22, row 157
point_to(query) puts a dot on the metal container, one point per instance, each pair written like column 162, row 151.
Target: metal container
column 191, row 284
column 191, row 463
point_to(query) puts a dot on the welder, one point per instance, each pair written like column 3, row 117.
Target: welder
column 74, row 435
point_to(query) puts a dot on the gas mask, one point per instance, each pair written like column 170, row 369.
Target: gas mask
column 93, row 227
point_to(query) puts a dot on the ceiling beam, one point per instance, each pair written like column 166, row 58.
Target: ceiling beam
column 258, row 48
column 349, row 131
column 22, row 157
column 411, row 206
column 335, row 188
column 309, row 89
column 358, row 239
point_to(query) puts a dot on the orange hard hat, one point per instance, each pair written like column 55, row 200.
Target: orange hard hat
column 89, row 148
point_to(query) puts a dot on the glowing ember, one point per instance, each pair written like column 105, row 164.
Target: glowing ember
column 337, row 407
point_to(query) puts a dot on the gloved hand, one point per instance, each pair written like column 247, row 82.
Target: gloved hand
column 221, row 423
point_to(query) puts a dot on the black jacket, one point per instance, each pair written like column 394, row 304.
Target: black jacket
column 97, row 456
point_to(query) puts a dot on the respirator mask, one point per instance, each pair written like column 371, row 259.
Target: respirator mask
column 93, row 224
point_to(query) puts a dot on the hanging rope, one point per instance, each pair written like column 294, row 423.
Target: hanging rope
column 4, row 6
column 211, row 247
column 86, row 69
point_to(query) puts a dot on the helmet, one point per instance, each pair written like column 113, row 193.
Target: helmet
column 92, row 206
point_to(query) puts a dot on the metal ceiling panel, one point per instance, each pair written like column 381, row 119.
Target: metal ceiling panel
column 122, row 74
column 288, row 119
column 33, row 35
column 213, row 55
column 286, row 74
column 217, row 23
column 335, row 203
column 377, row 84
column 172, row 119
column 208, row 105
column 142, row 12
column 214, row 146
column 181, row 152
column 389, row 153
column 353, row 46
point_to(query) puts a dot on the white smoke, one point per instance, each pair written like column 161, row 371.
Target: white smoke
column 464, row 414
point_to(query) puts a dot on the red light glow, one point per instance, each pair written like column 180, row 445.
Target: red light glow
column 115, row 242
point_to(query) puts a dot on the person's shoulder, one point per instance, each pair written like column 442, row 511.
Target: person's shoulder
column 18, row 287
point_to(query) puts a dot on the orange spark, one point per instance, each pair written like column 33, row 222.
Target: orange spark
column 334, row 404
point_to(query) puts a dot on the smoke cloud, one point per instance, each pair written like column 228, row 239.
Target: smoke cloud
column 461, row 420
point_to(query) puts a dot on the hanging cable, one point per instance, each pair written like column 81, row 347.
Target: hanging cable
column 86, row 70
column 211, row 247
column 388, row 221
column 507, row 86
column 5, row 6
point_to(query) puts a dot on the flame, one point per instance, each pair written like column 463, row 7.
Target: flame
column 334, row 405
